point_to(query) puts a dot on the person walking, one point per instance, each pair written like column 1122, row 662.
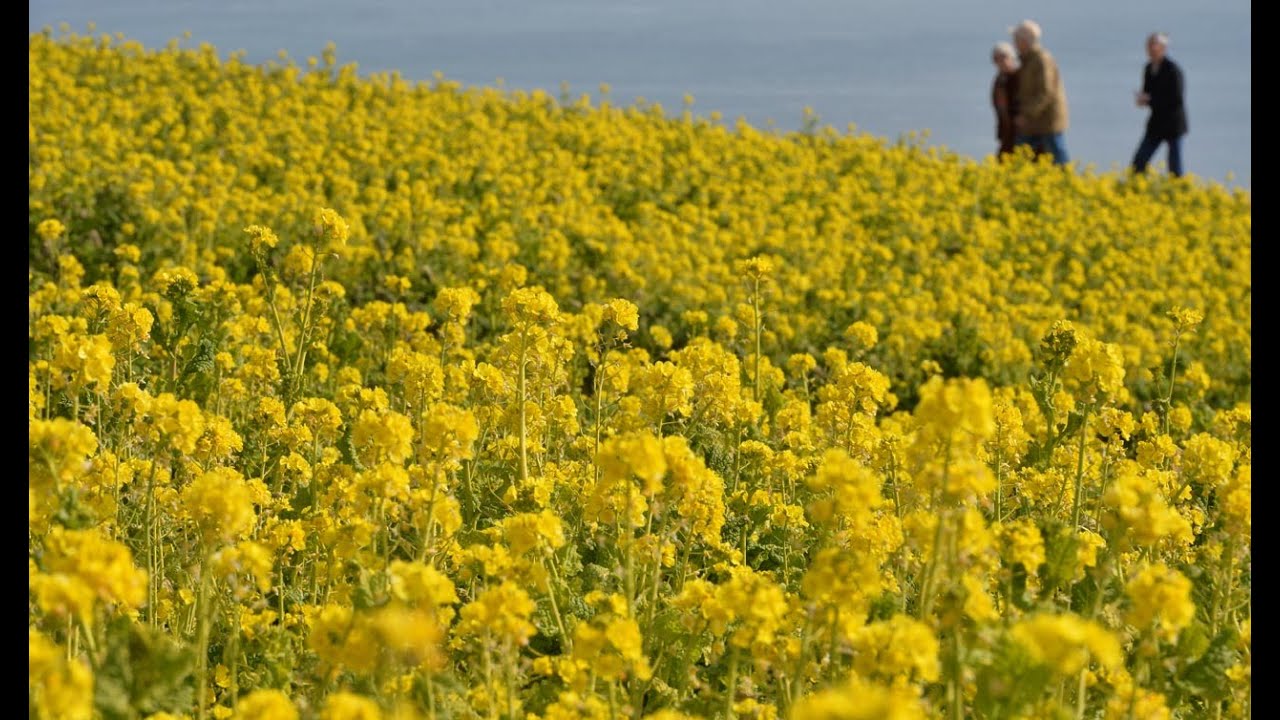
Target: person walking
column 1162, row 91
column 1004, row 90
column 1041, row 118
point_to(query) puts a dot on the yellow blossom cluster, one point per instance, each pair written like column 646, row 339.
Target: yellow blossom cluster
column 358, row 396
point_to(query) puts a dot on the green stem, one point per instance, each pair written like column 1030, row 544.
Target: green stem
column 1223, row 600
column 598, row 382
column 1082, row 693
column 510, row 670
column 629, row 550
column 926, row 585
column 92, row 644
column 488, row 675
column 234, row 663
column 957, row 690
column 431, row 695
column 893, row 484
column 555, row 607
column 520, row 398
column 755, row 310
column 202, row 637
column 685, row 552
column 304, row 336
column 153, row 574
column 657, row 572
column 1173, row 372
column 1102, row 489
column 732, row 687
column 999, row 483
column 834, row 641
column 1084, row 434
column 275, row 321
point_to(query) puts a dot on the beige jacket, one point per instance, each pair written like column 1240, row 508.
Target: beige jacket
column 1042, row 100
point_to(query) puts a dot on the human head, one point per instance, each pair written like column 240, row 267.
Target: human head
column 1004, row 57
column 1026, row 35
column 1157, row 45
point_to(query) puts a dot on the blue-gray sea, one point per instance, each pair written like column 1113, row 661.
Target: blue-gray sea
column 885, row 67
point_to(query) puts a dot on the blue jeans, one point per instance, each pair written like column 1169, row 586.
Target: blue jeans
column 1051, row 143
column 1147, row 148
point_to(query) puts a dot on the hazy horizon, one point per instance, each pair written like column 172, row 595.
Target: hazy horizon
column 888, row 67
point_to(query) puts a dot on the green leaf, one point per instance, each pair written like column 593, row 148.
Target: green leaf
column 201, row 361
column 1084, row 594
column 1207, row 676
column 1009, row 683
column 1194, row 640
column 884, row 606
column 144, row 672
column 1060, row 556
column 1074, row 422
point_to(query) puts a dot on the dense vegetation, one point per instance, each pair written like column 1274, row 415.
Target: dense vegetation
column 355, row 397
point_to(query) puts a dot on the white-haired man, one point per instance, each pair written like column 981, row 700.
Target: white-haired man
column 1162, row 90
column 1042, row 99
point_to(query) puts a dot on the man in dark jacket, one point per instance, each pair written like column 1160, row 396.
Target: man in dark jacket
column 1162, row 88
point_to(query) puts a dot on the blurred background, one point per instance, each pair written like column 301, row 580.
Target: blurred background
column 888, row 67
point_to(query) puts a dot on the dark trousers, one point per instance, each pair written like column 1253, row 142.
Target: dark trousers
column 1148, row 147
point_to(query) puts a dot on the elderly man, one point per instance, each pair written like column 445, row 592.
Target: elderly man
column 1162, row 92
column 1041, row 99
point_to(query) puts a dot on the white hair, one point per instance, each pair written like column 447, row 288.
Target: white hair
column 1027, row 30
column 1162, row 39
column 1003, row 49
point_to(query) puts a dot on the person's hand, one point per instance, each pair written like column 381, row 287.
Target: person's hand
column 1142, row 99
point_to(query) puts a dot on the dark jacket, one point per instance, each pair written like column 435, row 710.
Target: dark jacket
column 1042, row 99
column 1168, row 117
column 1004, row 96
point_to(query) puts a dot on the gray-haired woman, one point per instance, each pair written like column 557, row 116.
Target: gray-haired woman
column 1004, row 91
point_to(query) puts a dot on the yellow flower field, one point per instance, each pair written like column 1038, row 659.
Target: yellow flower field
column 359, row 397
